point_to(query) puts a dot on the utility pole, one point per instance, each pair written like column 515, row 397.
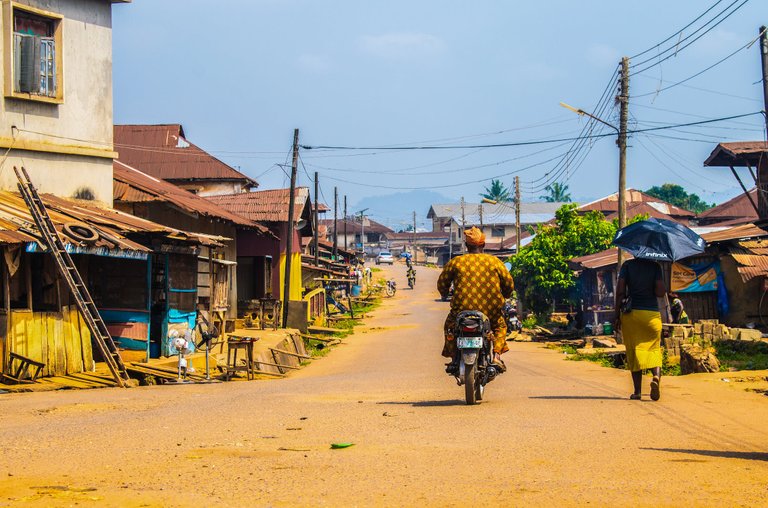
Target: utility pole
column 335, row 223
column 290, row 228
column 413, row 237
column 317, row 223
column 480, row 212
column 762, row 167
column 463, row 226
column 622, row 142
column 345, row 223
column 450, row 240
column 518, row 230
column 362, row 232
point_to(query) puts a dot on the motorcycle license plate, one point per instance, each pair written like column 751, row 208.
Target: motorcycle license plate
column 470, row 342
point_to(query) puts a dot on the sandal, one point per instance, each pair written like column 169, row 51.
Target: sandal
column 655, row 391
column 635, row 396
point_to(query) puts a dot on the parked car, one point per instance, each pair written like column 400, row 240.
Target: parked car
column 384, row 257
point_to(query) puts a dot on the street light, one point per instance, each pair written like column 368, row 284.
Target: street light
column 622, row 142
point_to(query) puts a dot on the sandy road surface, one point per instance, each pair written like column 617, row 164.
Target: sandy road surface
column 550, row 431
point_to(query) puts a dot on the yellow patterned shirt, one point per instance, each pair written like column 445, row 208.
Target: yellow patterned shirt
column 480, row 282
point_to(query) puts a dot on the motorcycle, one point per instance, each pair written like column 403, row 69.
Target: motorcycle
column 449, row 295
column 472, row 366
column 411, row 278
column 391, row 287
column 510, row 316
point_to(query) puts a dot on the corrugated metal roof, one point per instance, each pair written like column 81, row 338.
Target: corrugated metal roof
column 600, row 259
column 503, row 219
column 113, row 227
column 490, row 210
column 737, row 208
column 743, row 231
column 355, row 226
column 737, row 154
column 611, row 204
column 164, row 152
column 267, row 205
column 134, row 186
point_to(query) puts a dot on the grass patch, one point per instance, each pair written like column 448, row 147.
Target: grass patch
column 669, row 369
column 741, row 355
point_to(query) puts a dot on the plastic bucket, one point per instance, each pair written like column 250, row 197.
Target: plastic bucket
column 356, row 290
column 608, row 328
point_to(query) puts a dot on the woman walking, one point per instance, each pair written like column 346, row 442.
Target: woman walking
column 640, row 283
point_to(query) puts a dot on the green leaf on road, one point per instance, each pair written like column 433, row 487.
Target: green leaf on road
column 338, row 446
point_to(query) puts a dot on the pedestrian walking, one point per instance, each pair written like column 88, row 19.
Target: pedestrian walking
column 640, row 283
column 679, row 316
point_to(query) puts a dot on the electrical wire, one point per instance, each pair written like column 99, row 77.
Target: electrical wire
column 739, row 50
column 678, row 48
column 678, row 32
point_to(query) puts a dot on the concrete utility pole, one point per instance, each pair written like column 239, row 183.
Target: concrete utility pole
column 623, row 99
column 345, row 224
column 518, row 230
column 450, row 240
column 290, row 228
column 480, row 212
column 316, row 221
column 335, row 223
column 762, row 167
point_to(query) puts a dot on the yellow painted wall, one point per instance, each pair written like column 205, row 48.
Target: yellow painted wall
column 61, row 340
column 296, row 288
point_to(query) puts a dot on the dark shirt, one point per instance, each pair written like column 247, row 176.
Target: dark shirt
column 640, row 276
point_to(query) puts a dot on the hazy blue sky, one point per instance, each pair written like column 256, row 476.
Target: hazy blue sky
column 240, row 75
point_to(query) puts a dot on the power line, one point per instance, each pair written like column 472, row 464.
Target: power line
column 678, row 32
column 742, row 48
column 678, row 48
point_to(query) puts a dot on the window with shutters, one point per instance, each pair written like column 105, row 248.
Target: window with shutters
column 36, row 60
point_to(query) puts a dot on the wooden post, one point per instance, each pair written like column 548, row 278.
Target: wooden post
column 290, row 229
column 335, row 223
column 315, row 220
column 622, row 142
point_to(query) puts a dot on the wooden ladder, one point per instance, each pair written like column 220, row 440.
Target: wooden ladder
column 68, row 271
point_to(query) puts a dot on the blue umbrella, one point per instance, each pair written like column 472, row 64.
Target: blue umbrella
column 659, row 239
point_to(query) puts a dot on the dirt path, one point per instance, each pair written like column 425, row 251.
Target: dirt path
column 550, row 431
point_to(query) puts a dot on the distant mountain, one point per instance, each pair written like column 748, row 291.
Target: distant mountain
column 396, row 210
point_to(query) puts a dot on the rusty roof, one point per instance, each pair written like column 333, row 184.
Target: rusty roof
column 610, row 204
column 751, row 257
column 736, row 208
column 267, row 205
column 354, row 226
column 164, row 152
column 657, row 210
column 113, row 228
column 600, row 259
column 740, row 232
column 133, row 186
column 738, row 154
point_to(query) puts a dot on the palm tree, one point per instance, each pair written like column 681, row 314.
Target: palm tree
column 498, row 192
column 558, row 193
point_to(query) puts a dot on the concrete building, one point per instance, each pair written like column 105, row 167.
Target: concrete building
column 56, row 112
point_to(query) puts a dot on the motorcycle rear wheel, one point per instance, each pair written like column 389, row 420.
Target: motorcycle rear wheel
column 390, row 291
column 470, row 379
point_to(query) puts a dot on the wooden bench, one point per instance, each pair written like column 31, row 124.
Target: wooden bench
column 22, row 369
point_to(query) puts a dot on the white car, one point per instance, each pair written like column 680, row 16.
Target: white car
column 384, row 257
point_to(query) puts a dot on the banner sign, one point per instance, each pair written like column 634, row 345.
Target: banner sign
column 694, row 278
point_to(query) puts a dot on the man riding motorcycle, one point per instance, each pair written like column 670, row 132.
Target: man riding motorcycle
column 481, row 282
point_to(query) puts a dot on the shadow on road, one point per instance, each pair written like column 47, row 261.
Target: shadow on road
column 577, row 397
column 716, row 453
column 428, row 403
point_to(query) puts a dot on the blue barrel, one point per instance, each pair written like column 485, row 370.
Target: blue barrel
column 356, row 290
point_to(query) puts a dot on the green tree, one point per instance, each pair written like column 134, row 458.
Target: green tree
column 498, row 192
column 677, row 195
column 541, row 269
column 558, row 193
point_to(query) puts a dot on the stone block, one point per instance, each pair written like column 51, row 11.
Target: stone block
column 695, row 359
column 749, row 334
column 698, row 329
column 603, row 342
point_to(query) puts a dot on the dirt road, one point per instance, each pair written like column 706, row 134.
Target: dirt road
column 550, row 432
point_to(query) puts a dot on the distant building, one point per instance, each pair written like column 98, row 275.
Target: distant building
column 355, row 233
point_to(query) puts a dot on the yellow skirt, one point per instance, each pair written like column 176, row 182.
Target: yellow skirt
column 641, row 332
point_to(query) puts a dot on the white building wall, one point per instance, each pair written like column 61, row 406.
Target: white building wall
column 68, row 145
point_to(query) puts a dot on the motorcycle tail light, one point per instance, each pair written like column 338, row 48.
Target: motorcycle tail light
column 469, row 328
